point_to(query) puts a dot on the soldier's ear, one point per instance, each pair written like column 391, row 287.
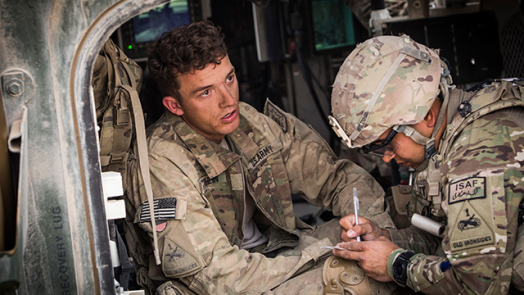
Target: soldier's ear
column 173, row 105
column 431, row 117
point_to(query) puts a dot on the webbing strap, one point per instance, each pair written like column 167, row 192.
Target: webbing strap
column 118, row 139
column 412, row 133
column 103, row 102
column 129, row 75
column 114, row 62
column 111, row 70
column 444, row 86
column 143, row 159
column 105, row 160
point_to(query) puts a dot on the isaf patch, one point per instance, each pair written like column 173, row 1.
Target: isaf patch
column 164, row 209
column 467, row 189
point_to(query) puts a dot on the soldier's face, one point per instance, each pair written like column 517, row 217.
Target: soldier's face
column 406, row 153
column 209, row 100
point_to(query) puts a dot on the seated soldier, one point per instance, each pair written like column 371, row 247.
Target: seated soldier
column 222, row 176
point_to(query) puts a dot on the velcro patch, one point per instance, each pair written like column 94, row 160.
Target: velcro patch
column 261, row 155
column 470, row 230
column 237, row 183
column 206, row 181
column 164, row 209
column 467, row 189
column 176, row 261
column 277, row 115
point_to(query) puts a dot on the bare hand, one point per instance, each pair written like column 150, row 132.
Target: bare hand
column 367, row 230
column 371, row 256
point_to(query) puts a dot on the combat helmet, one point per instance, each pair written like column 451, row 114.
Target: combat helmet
column 387, row 82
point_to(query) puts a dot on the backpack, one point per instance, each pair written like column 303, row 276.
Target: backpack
column 116, row 84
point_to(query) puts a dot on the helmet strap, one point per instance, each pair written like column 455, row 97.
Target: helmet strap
column 412, row 133
column 444, row 85
column 339, row 131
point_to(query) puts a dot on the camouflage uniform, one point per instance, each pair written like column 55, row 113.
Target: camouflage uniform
column 473, row 184
column 199, row 190
column 482, row 182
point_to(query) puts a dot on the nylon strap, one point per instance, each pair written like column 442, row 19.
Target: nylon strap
column 106, row 159
column 118, row 131
column 129, row 75
column 104, row 102
column 445, row 87
column 415, row 53
column 140, row 129
column 110, row 71
column 412, row 133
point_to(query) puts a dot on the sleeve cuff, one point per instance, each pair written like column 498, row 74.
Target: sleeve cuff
column 396, row 237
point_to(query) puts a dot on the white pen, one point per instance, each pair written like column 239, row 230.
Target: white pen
column 355, row 202
column 332, row 247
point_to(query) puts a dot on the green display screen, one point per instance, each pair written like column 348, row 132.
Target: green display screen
column 332, row 24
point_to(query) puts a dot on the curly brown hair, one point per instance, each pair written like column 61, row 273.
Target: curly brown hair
column 182, row 50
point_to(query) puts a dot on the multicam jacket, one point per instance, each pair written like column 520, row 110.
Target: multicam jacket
column 481, row 159
column 199, row 190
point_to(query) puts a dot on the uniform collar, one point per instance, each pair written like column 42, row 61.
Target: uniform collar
column 242, row 139
column 211, row 156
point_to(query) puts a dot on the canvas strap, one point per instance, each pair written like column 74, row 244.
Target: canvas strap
column 143, row 158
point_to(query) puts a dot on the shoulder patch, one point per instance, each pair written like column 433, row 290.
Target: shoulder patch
column 177, row 262
column 276, row 115
column 467, row 189
column 164, row 209
column 470, row 230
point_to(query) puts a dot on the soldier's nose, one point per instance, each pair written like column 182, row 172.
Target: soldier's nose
column 388, row 158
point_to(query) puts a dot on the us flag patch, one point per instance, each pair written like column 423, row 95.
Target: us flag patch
column 164, row 209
